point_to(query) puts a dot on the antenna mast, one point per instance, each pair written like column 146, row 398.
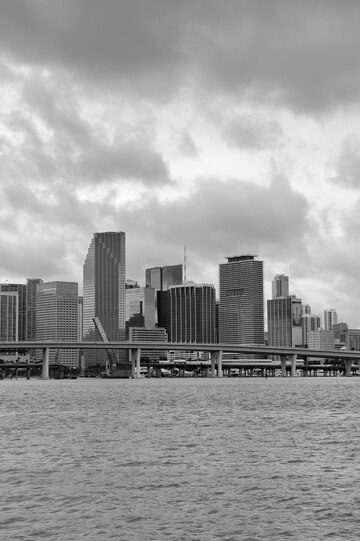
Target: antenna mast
column 185, row 263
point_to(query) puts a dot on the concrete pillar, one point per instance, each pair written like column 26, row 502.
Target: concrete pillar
column 132, row 360
column 293, row 364
column 283, row 365
column 219, row 359
column 213, row 361
column 28, row 373
column 348, row 364
column 45, row 366
column 138, row 356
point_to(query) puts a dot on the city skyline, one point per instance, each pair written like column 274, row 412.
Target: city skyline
column 183, row 123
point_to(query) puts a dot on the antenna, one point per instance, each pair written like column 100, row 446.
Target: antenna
column 185, row 263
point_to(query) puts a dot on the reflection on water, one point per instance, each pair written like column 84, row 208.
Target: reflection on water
column 188, row 459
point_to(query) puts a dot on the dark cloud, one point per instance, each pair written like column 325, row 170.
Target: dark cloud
column 303, row 54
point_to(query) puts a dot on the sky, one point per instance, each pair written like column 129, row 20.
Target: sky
column 228, row 126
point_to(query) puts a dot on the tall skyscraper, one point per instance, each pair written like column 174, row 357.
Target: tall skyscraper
column 9, row 316
column 31, row 308
column 330, row 319
column 161, row 278
column 280, row 286
column 241, row 308
column 104, row 289
column 284, row 321
column 190, row 313
column 20, row 289
column 57, row 317
column 140, row 307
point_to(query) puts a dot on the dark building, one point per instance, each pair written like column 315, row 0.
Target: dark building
column 241, row 308
column 160, row 279
column 104, row 290
column 31, row 308
column 187, row 312
column 20, row 289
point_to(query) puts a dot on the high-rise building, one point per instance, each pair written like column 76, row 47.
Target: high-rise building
column 57, row 318
column 161, row 278
column 190, row 313
column 309, row 322
column 280, row 286
column 104, row 290
column 353, row 339
column 140, row 307
column 9, row 316
column 284, row 321
column 241, row 308
column 31, row 308
column 20, row 289
column 340, row 333
column 330, row 319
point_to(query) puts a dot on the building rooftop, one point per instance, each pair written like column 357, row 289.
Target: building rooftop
column 233, row 258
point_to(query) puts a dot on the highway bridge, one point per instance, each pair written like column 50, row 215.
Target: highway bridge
column 283, row 354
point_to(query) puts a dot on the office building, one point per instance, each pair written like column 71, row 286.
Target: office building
column 330, row 319
column 140, row 307
column 309, row 322
column 241, row 308
column 188, row 311
column 161, row 278
column 9, row 316
column 280, row 286
column 353, row 339
column 340, row 333
column 321, row 340
column 104, row 290
column 31, row 308
column 57, row 318
column 284, row 321
column 20, row 289
column 153, row 334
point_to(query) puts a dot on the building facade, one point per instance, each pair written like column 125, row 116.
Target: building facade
column 241, row 307
column 9, row 316
column 321, row 340
column 140, row 307
column 284, row 321
column 57, row 318
column 104, row 273
column 20, row 289
column 309, row 322
column 330, row 319
column 280, row 286
column 153, row 334
column 31, row 308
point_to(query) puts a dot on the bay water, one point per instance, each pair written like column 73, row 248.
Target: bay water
column 180, row 459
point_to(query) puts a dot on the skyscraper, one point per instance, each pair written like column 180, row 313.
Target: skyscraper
column 9, row 316
column 104, row 289
column 191, row 313
column 31, row 308
column 330, row 319
column 280, row 286
column 284, row 321
column 161, row 278
column 140, row 307
column 241, row 308
column 57, row 317
column 20, row 289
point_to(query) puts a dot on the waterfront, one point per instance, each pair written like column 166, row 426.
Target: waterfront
column 180, row 459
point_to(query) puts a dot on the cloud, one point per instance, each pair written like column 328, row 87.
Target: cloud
column 304, row 54
column 347, row 173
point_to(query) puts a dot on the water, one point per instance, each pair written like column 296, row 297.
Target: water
column 180, row 459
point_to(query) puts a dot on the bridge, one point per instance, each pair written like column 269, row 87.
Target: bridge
column 216, row 352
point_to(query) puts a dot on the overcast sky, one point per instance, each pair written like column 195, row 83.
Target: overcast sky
column 226, row 125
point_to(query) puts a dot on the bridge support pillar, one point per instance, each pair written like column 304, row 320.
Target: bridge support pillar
column 132, row 361
column 45, row 366
column 213, row 361
column 283, row 365
column 348, row 364
column 219, row 360
column 293, row 364
column 138, row 356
